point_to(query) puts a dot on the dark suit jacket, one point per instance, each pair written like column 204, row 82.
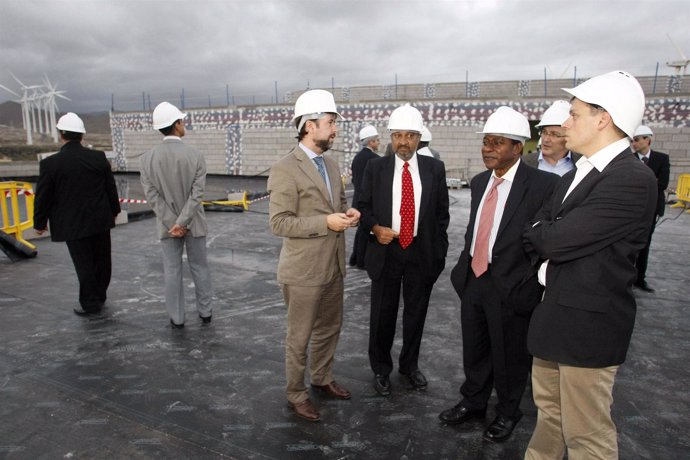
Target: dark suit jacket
column 511, row 268
column 661, row 165
column 376, row 202
column 76, row 193
column 591, row 241
column 359, row 163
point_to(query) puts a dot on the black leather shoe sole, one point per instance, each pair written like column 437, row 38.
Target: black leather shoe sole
column 175, row 325
column 206, row 319
column 500, row 429
column 416, row 380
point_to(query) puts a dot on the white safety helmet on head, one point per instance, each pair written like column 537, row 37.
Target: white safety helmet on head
column 644, row 131
column 71, row 122
column 617, row 92
column 509, row 123
column 312, row 105
column 165, row 114
column 426, row 134
column 406, row 118
column 556, row 114
column 367, row 132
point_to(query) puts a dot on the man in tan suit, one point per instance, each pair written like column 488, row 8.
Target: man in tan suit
column 308, row 209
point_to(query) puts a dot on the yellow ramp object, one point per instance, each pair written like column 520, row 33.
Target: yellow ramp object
column 12, row 241
column 683, row 192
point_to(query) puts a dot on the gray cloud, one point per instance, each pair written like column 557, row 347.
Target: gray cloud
column 96, row 48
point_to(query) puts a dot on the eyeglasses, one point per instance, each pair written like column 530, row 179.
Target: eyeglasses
column 552, row 134
column 406, row 135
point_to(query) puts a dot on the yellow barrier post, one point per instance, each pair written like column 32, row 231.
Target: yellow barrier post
column 683, row 192
column 14, row 226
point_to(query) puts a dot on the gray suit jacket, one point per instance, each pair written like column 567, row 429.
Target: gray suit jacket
column 174, row 177
column 312, row 255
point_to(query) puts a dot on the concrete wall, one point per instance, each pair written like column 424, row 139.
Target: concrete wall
column 247, row 140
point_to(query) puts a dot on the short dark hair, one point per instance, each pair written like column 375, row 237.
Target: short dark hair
column 168, row 129
column 71, row 136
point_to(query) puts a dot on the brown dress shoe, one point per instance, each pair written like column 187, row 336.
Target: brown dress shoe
column 334, row 390
column 306, row 410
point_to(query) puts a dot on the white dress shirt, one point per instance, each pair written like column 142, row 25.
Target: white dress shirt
column 313, row 155
column 397, row 191
column 503, row 191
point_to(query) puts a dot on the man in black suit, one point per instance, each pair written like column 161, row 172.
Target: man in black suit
column 76, row 194
column 404, row 204
column 369, row 137
column 587, row 240
column 495, row 279
column 661, row 166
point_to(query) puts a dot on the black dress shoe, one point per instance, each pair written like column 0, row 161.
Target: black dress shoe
column 206, row 319
column 82, row 312
column 460, row 414
column 642, row 285
column 174, row 325
column 416, row 379
column 501, row 428
column 382, row 384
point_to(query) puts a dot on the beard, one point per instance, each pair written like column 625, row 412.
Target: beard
column 324, row 144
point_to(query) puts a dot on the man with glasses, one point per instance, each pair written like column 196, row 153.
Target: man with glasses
column 495, row 278
column 661, row 166
column 404, row 204
column 554, row 157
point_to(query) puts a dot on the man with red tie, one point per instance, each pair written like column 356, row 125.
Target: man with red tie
column 404, row 206
column 495, row 278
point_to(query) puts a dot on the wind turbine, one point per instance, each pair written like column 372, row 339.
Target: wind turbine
column 27, row 102
column 51, row 106
column 681, row 65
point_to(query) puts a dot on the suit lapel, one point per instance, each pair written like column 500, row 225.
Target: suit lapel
column 386, row 190
column 309, row 169
column 426, row 177
column 517, row 191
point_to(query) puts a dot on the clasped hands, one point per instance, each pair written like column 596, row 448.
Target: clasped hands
column 340, row 221
column 177, row 231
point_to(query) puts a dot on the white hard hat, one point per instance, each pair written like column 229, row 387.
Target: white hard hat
column 556, row 114
column 71, row 122
column 618, row 93
column 508, row 123
column 406, row 118
column 165, row 114
column 643, row 130
column 426, row 134
column 314, row 104
column 367, row 132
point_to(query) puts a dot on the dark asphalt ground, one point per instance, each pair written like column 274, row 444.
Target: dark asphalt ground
column 124, row 385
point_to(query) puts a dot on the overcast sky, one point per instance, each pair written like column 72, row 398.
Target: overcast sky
column 96, row 48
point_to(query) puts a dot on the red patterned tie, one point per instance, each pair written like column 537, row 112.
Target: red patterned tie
column 406, row 208
column 480, row 259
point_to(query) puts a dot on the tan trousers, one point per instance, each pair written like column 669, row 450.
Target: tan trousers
column 315, row 314
column 574, row 412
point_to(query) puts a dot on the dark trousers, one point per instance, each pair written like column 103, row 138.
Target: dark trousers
column 91, row 258
column 643, row 256
column 401, row 269
column 359, row 248
column 494, row 342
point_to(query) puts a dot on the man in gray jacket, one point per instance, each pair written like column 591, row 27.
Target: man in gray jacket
column 174, row 176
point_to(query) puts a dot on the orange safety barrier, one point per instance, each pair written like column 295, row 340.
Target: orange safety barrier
column 11, row 215
column 683, row 192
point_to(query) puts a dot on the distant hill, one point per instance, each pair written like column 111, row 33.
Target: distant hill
column 95, row 122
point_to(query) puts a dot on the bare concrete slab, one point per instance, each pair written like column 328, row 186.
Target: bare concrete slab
column 124, row 385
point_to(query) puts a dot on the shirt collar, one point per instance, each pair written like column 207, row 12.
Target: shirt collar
column 510, row 174
column 412, row 162
column 565, row 158
column 174, row 138
column 310, row 153
column 603, row 157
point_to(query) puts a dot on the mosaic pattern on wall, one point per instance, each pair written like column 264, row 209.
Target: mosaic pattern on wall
column 660, row 112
